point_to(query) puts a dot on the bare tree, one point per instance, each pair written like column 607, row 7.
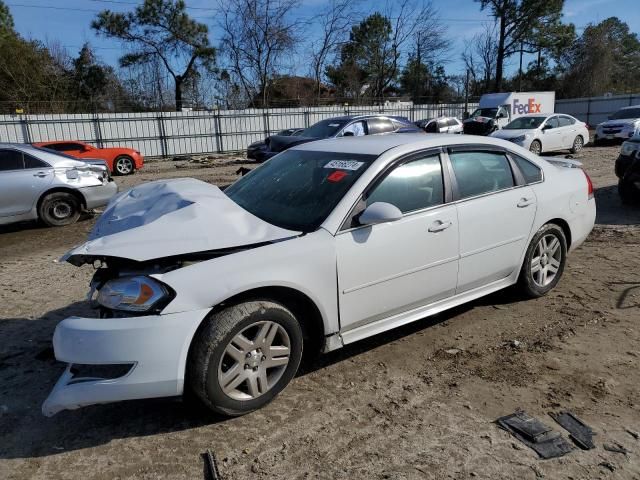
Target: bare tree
column 480, row 56
column 334, row 21
column 258, row 37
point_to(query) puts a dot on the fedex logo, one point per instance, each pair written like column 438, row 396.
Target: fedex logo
column 530, row 107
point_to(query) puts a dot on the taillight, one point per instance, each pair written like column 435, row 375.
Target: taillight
column 589, row 185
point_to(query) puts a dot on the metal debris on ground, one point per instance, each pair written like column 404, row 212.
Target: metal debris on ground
column 579, row 431
column 535, row 434
column 212, row 466
column 615, row 448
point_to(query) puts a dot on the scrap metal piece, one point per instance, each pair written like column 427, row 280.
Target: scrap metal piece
column 580, row 432
column 212, row 466
column 535, row 434
column 615, row 448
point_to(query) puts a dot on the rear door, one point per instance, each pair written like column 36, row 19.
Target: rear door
column 568, row 129
column 496, row 210
column 390, row 268
column 552, row 135
column 22, row 179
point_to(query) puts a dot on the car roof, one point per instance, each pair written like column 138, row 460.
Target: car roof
column 378, row 144
column 49, row 156
column 368, row 115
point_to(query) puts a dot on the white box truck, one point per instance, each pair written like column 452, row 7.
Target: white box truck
column 497, row 109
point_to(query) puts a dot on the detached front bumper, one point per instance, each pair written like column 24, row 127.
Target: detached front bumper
column 155, row 347
column 99, row 195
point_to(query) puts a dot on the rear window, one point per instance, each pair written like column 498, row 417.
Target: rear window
column 566, row 121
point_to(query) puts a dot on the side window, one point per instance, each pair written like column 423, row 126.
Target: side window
column 432, row 127
column 33, row 162
column 552, row 122
column 452, row 122
column 442, row 124
column 565, row 121
column 531, row 172
column 10, row 160
column 357, row 129
column 379, row 125
column 411, row 186
column 481, row 172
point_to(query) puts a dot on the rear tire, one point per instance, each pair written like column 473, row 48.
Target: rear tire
column 123, row 165
column 544, row 261
column 535, row 147
column 244, row 356
column 58, row 209
column 578, row 143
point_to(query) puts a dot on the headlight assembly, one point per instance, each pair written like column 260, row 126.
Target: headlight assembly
column 134, row 294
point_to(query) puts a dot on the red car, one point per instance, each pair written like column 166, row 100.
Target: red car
column 121, row 161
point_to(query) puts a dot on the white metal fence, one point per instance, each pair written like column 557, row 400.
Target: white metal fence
column 157, row 134
column 596, row 109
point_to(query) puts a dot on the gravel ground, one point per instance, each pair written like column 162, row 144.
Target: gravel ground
column 414, row 403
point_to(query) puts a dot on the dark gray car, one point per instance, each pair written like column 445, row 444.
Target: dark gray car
column 55, row 188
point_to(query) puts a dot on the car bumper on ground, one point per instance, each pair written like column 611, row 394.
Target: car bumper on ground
column 153, row 349
column 98, row 196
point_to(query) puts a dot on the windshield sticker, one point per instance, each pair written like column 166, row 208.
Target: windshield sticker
column 337, row 176
column 344, row 164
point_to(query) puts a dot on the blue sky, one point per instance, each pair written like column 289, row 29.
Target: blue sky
column 67, row 21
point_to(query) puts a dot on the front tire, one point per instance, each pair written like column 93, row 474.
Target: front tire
column 544, row 261
column 58, row 209
column 244, row 356
column 123, row 165
column 535, row 147
column 578, row 143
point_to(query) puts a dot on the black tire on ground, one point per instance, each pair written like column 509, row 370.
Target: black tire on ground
column 207, row 355
column 58, row 209
column 578, row 143
column 629, row 195
column 535, row 147
column 124, row 165
column 526, row 283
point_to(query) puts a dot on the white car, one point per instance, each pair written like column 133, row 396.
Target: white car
column 622, row 125
column 323, row 245
column 546, row 133
column 441, row 125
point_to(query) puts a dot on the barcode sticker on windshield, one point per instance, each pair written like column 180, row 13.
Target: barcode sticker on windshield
column 344, row 164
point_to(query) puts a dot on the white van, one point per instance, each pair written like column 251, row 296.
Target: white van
column 497, row 109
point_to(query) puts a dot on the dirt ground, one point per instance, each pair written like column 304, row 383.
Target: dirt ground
column 415, row 403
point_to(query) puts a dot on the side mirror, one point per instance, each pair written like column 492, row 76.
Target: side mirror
column 546, row 127
column 348, row 134
column 379, row 212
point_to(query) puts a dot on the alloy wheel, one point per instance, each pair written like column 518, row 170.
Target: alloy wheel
column 254, row 360
column 124, row 166
column 577, row 144
column 546, row 260
column 535, row 147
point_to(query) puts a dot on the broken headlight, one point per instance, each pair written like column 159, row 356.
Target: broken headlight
column 134, row 294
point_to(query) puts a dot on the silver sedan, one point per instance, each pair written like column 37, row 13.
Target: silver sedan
column 54, row 188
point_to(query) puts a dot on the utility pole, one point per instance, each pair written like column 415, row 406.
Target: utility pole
column 465, row 115
column 520, row 68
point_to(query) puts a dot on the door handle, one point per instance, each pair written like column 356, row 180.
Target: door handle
column 40, row 174
column 439, row 226
column 525, row 202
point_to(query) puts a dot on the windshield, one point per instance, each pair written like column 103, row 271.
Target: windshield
column 323, row 129
column 626, row 113
column 525, row 123
column 297, row 189
column 485, row 112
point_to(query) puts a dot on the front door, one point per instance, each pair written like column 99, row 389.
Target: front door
column 495, row 217
column 552, row 136
column 393, row 267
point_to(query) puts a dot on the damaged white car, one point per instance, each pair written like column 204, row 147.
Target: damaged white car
column 327, row 243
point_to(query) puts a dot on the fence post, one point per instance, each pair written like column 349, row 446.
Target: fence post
column 306, row 117
column 26, row 131
column 217, row 126
column 631, row 99
column 163, row 137
column 97, row 130
column 265, row 122
column 588, row 110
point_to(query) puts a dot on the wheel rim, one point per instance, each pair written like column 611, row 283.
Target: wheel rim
column 577, row 144
column 546, row 260
column 60, row 210
column 535, row 148
column 254, row 360
column 124, row 166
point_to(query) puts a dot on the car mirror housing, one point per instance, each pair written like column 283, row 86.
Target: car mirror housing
column 379, row 212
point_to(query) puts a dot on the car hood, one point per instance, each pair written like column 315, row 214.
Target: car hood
column 280, row 143
column 507, row 134
column 622, row 121
column 478, row 120
column 169, row 218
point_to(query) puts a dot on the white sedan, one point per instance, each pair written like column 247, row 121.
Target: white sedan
column 546, row 133
column 325, row 244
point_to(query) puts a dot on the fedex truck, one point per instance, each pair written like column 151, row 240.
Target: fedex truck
column 498, row 109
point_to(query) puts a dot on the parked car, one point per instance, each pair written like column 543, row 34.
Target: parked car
column 38, row 184
column 256, row 150
column 628, row 171
column 440, row 125
column 350, row 125
column 623, row 124
column 121, row 161
column 326, row 244
column 546, row 133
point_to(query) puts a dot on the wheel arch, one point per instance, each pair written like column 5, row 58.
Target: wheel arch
column 75, row 193
column 566, row 229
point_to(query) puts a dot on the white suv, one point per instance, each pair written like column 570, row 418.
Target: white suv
column 622, row 125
